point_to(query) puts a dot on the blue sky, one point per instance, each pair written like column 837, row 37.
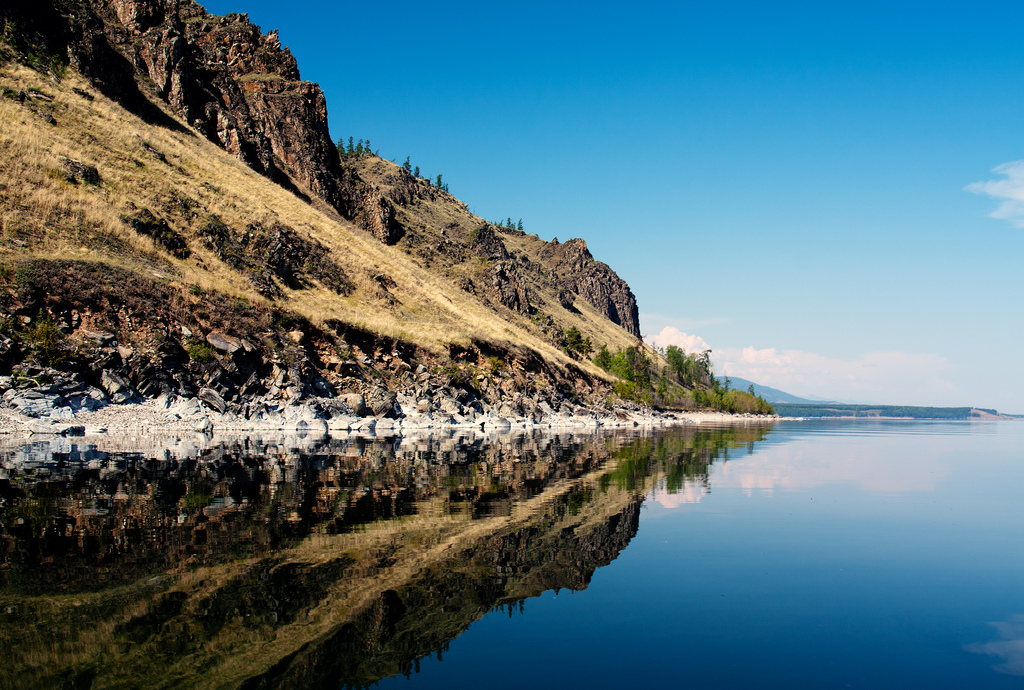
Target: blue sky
column 789, row 184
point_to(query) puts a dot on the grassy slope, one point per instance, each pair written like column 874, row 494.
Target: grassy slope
column 42, row 215
column 446, row 213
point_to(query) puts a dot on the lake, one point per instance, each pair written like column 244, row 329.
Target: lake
column 864, row 554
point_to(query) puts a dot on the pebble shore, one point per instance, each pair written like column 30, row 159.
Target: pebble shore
column 168, row 415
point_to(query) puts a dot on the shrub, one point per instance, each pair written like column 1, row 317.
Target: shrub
column 200, row 351
column 48, row 341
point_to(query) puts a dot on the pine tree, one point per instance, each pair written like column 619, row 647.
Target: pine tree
column 407, row 166
column 351, row 146
column 439, row 180
column 359, row 147
column 416, row 172
column 366, row 147
column 520, row 227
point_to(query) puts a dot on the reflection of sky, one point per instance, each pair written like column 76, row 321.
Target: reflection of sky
column 1010, row 648
column 691, row 492
column 888, row 464
column 899, row 465
column 847, row 555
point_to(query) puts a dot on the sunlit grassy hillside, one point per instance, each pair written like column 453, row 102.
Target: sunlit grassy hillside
column 182, row 185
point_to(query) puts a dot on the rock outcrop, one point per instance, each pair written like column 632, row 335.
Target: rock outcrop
column 595, row 282
column 238, row 87
column 242, row 90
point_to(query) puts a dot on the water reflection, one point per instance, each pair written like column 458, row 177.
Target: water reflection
column 303, row 561
column 1010, row 648
column 892, row 463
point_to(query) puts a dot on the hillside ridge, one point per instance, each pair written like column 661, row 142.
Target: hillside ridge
column 137, row 262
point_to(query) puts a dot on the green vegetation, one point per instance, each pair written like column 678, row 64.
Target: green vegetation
column 354, row 149
column 576, row 343
column 685, row 382
column 691, row 370
column 200, row 351
column 29, row 48
column 507, row 223
column 48, row 341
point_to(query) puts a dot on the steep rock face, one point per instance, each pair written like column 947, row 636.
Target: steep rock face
column 238, row 87
column 596, row 283
column 505, row 282
column 377, row 216
column 235, row 85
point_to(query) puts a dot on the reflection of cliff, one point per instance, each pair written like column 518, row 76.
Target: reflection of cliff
column 403, row 625
column 324, row 588
column 133, row 515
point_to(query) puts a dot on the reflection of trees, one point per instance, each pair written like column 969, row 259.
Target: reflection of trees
column 678, row 458
column 343, row 562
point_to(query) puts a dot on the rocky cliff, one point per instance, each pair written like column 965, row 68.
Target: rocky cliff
column 242, row 90
column 237, row 86
column 578, row 273
column 170, row 269
column 521, row 268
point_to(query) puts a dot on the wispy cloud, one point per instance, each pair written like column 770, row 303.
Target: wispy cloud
column 1010, row 191
column 880, row 377
column 883, row 377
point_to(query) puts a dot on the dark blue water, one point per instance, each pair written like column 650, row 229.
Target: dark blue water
column 843, row 554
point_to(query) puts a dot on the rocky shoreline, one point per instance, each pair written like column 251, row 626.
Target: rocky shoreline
column 70, row 408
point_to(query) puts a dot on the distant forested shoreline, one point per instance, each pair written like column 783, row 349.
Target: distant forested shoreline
column 898, row 411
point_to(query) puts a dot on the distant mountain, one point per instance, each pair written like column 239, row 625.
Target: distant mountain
column 772, row 395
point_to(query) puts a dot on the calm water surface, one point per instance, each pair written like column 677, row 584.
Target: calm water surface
column 812, row 554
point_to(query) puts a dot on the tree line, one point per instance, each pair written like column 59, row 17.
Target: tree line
column 685, row 380
column 357, row 149
column 507, row 223
column 415, row 172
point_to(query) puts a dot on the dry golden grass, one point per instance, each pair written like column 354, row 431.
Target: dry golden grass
column 41, row 214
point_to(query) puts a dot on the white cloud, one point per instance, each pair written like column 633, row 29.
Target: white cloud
column 670, row 335
column 1010, row 191
column 897, row 466
column 880, row 377
column 895, row 378
column 691, row 492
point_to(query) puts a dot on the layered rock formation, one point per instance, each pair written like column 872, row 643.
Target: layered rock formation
column 237, row 86
column 578, row 272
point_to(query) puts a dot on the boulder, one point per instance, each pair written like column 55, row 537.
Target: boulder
column 117, row 388
column 76, row 171
column 101, row 339
column 212, row 399
column 223, row 342
column 381, row 402
column 356, row 402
